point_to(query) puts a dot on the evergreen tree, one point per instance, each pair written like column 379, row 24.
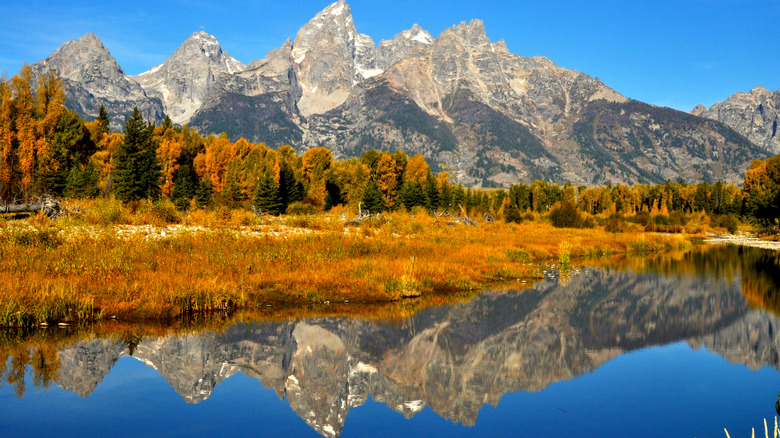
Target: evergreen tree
column 412, row 195
column 167, row 123
column 333, row 194
column 82, row 181
column 431, row 193
column 290, row 189
column 138, row 172
column 184, row 187
column 267, row 196
column 204, row 194
column 373, row 201
column 103, row 119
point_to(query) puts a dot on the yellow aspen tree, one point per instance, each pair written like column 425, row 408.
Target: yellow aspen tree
column 7, row 137
column 353, row 176
column 417, row 170
column 104, row 159
column 25, row 126
column 316, row 162
column 387, row 179
column 49, row 100
column 168, row 154
column 442, row 180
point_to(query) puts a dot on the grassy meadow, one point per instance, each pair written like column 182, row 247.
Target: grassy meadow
column 150, row 262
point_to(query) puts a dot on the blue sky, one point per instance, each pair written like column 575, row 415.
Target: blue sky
column 668, row 53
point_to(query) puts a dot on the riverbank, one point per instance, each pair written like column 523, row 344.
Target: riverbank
column 743, row 240
column 69, row 272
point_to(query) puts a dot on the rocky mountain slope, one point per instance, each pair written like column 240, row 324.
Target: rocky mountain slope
column 91, row 77
column 184, row 81
column 754, row 114
column 453, row 359
column 489, row 117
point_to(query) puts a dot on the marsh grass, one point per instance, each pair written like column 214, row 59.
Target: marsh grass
column 775, row 433
column 55, row 273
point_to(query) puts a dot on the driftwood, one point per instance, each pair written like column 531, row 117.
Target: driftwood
column 48, row 205
column 258, row 211
column 463, row 219
column 362, row 215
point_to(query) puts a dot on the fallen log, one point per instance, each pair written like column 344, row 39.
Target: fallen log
column 48, row 205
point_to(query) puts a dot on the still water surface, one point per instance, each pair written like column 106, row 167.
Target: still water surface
column 673, row 346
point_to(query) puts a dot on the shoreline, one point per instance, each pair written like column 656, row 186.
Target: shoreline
column 742, row 240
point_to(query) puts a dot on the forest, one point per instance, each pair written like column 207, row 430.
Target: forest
column 48, row 149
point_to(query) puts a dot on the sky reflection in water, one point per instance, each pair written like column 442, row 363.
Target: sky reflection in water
column 619, row 354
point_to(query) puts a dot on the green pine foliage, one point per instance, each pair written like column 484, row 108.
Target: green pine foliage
column 138, row 171
column 267, row 197
column 103, row 119
column 82, row 181
column 204, row 195
column 373, row 201
column 185, row 187
column 412, row 195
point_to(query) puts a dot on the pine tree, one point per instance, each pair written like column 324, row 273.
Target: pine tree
column 184, row 187
column 82, row 181
column 267, row 196
column 204, row 194
column 431, row 193
column 412, row 195
column 103, row 119
column 138, row 172
column 290, row 190
column 167, row 123
column 373, row 201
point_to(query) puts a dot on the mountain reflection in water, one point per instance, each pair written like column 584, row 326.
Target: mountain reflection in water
column 457, row 358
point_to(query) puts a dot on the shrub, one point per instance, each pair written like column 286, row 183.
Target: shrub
column 300, row 208
column 512, row 214
column 566, row 215
column 642, row 218
column 727, row 221
column 660, row 219
column 105, row 212
column 46, row 238
column 615, row 223
column 677, row 218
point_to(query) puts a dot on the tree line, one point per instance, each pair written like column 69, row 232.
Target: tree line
column 46, row 148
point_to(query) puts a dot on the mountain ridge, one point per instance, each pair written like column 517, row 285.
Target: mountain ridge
column 489, row 117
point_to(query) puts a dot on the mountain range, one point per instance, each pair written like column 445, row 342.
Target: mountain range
column 487, row 116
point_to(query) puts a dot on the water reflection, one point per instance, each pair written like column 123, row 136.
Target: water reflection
column 456, row 358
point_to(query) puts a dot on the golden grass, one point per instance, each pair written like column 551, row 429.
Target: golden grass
column 64, row 271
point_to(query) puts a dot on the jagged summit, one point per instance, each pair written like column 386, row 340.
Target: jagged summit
column 84, row 59
column 92, row 77
column 186, row 78
column 699, row 109
column 755, row 114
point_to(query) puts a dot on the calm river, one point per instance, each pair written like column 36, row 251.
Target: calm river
column 672, row 346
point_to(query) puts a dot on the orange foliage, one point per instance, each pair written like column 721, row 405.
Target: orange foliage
column 387, row 178
column 417, row 170
column 168, row 153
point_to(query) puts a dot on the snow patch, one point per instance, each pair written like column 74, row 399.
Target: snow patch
column 152, row 70
column 299, row 55
column 369, row 73
column 146, row 362
column 339, row 9
column 363, row 368
column 422, row 37
column 329, row 430
column 415, row 405
column 292, row 379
